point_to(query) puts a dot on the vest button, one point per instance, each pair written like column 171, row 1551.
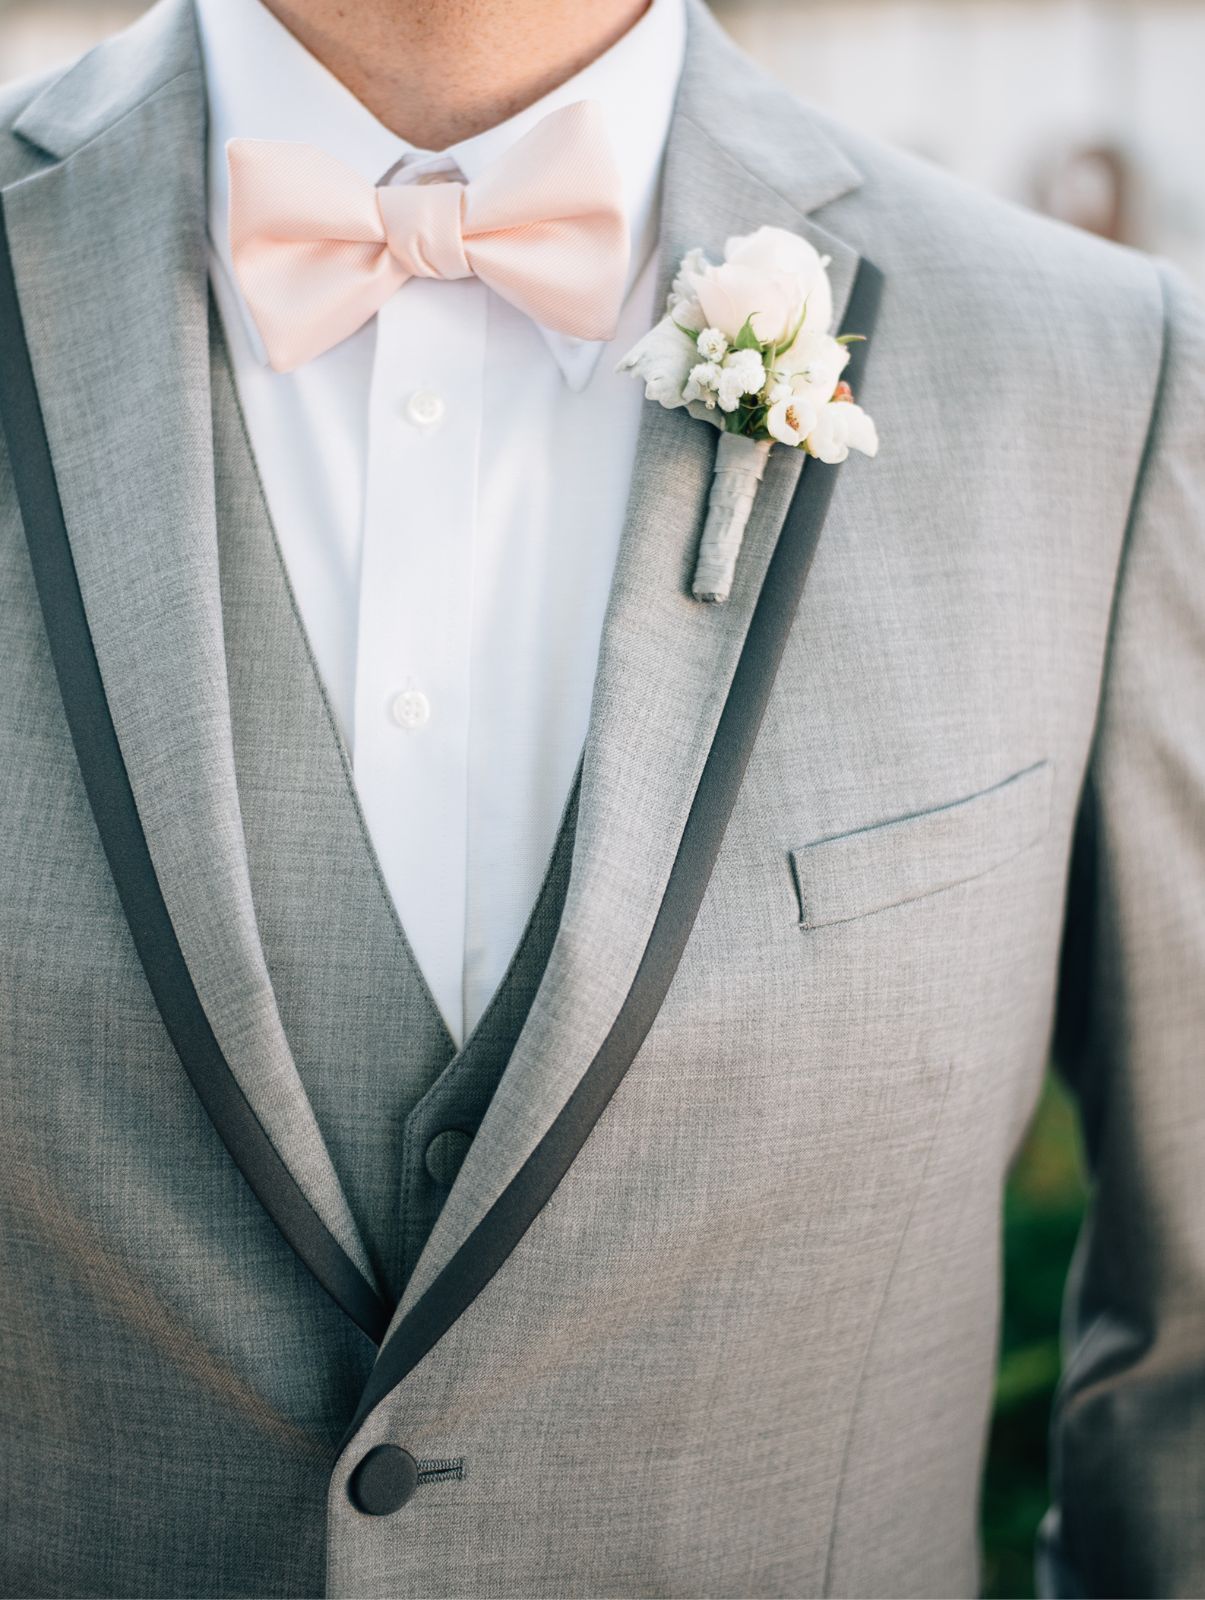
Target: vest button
column 445, row 1155
column 384, row 1481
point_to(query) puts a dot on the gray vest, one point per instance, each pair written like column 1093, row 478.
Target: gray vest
column 397, row 1104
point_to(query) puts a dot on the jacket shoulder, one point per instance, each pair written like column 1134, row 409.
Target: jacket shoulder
column 1010, row 295
column 17, row 156
column 925, row 217
column 62, row 110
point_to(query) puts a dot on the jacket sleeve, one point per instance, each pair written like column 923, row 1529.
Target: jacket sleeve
column 1129, row 1423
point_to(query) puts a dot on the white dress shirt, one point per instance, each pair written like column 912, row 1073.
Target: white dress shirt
column 448, row 489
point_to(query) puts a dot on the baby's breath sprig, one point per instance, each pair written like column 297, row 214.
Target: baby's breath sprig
column 746, row 346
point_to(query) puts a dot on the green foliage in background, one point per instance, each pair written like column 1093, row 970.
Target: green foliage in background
column 1043, row 1208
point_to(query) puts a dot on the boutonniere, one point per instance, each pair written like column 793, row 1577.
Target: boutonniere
column 747, row 345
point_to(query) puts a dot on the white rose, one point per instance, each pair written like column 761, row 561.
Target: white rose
column 775, row 251
column 732, row 294
column 791, row 420
column 663, row 358
column 842, row 426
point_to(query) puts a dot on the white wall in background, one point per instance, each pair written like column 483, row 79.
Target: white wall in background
column 35, row 34
column 997, row 89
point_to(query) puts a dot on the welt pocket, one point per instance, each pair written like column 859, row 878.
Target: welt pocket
column 851, row 875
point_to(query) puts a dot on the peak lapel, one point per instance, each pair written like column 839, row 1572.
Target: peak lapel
column 667, row 662
column 109, row 256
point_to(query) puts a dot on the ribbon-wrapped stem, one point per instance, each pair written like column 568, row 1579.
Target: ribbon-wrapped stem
column 740, row 464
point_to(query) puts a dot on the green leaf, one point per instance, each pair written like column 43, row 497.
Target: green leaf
column 851, row 338
column 691, row 333
column 746, row 339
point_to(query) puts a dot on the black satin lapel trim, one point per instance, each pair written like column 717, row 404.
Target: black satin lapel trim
column 112, row 801
column 486, row 1249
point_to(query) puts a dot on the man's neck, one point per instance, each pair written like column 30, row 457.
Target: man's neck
column 439, row 71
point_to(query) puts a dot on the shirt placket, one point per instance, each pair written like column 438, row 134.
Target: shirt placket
column 412, row 701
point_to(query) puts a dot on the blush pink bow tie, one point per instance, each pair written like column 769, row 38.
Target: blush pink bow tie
column 318, row 250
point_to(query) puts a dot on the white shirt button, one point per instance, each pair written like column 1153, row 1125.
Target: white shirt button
column 424, row 408
column 410, row 708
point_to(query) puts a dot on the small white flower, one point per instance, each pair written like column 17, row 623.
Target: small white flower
column 730, row 390
column 703, row 383
column 712, row 345
column 791, row 419
column 742, row 373
column 747, row 367
column 841, row 426
column 814, row 363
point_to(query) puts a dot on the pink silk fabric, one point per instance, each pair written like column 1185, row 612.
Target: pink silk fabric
column 318, row 250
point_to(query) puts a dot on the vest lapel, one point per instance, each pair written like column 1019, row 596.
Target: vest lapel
column 109, row 256
column 377, row 1063
column 665, row 674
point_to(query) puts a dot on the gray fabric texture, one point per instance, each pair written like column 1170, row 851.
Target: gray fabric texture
column 748, row 1346
column 374, row 1057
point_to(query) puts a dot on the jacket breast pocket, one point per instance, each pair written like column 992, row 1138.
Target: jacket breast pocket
column 850, row 875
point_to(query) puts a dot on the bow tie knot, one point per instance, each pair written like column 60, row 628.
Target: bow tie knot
column 317, row 250
column 424, row 229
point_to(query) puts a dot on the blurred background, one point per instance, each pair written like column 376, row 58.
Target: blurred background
column 1093, row 111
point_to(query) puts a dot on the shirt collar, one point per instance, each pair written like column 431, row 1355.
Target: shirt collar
column 262, row 83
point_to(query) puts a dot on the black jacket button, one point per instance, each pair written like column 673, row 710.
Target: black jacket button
column 383, row 1481
column 445, row 1155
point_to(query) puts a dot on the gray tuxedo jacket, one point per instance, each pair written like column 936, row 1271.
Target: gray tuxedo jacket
column 710, row 1307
